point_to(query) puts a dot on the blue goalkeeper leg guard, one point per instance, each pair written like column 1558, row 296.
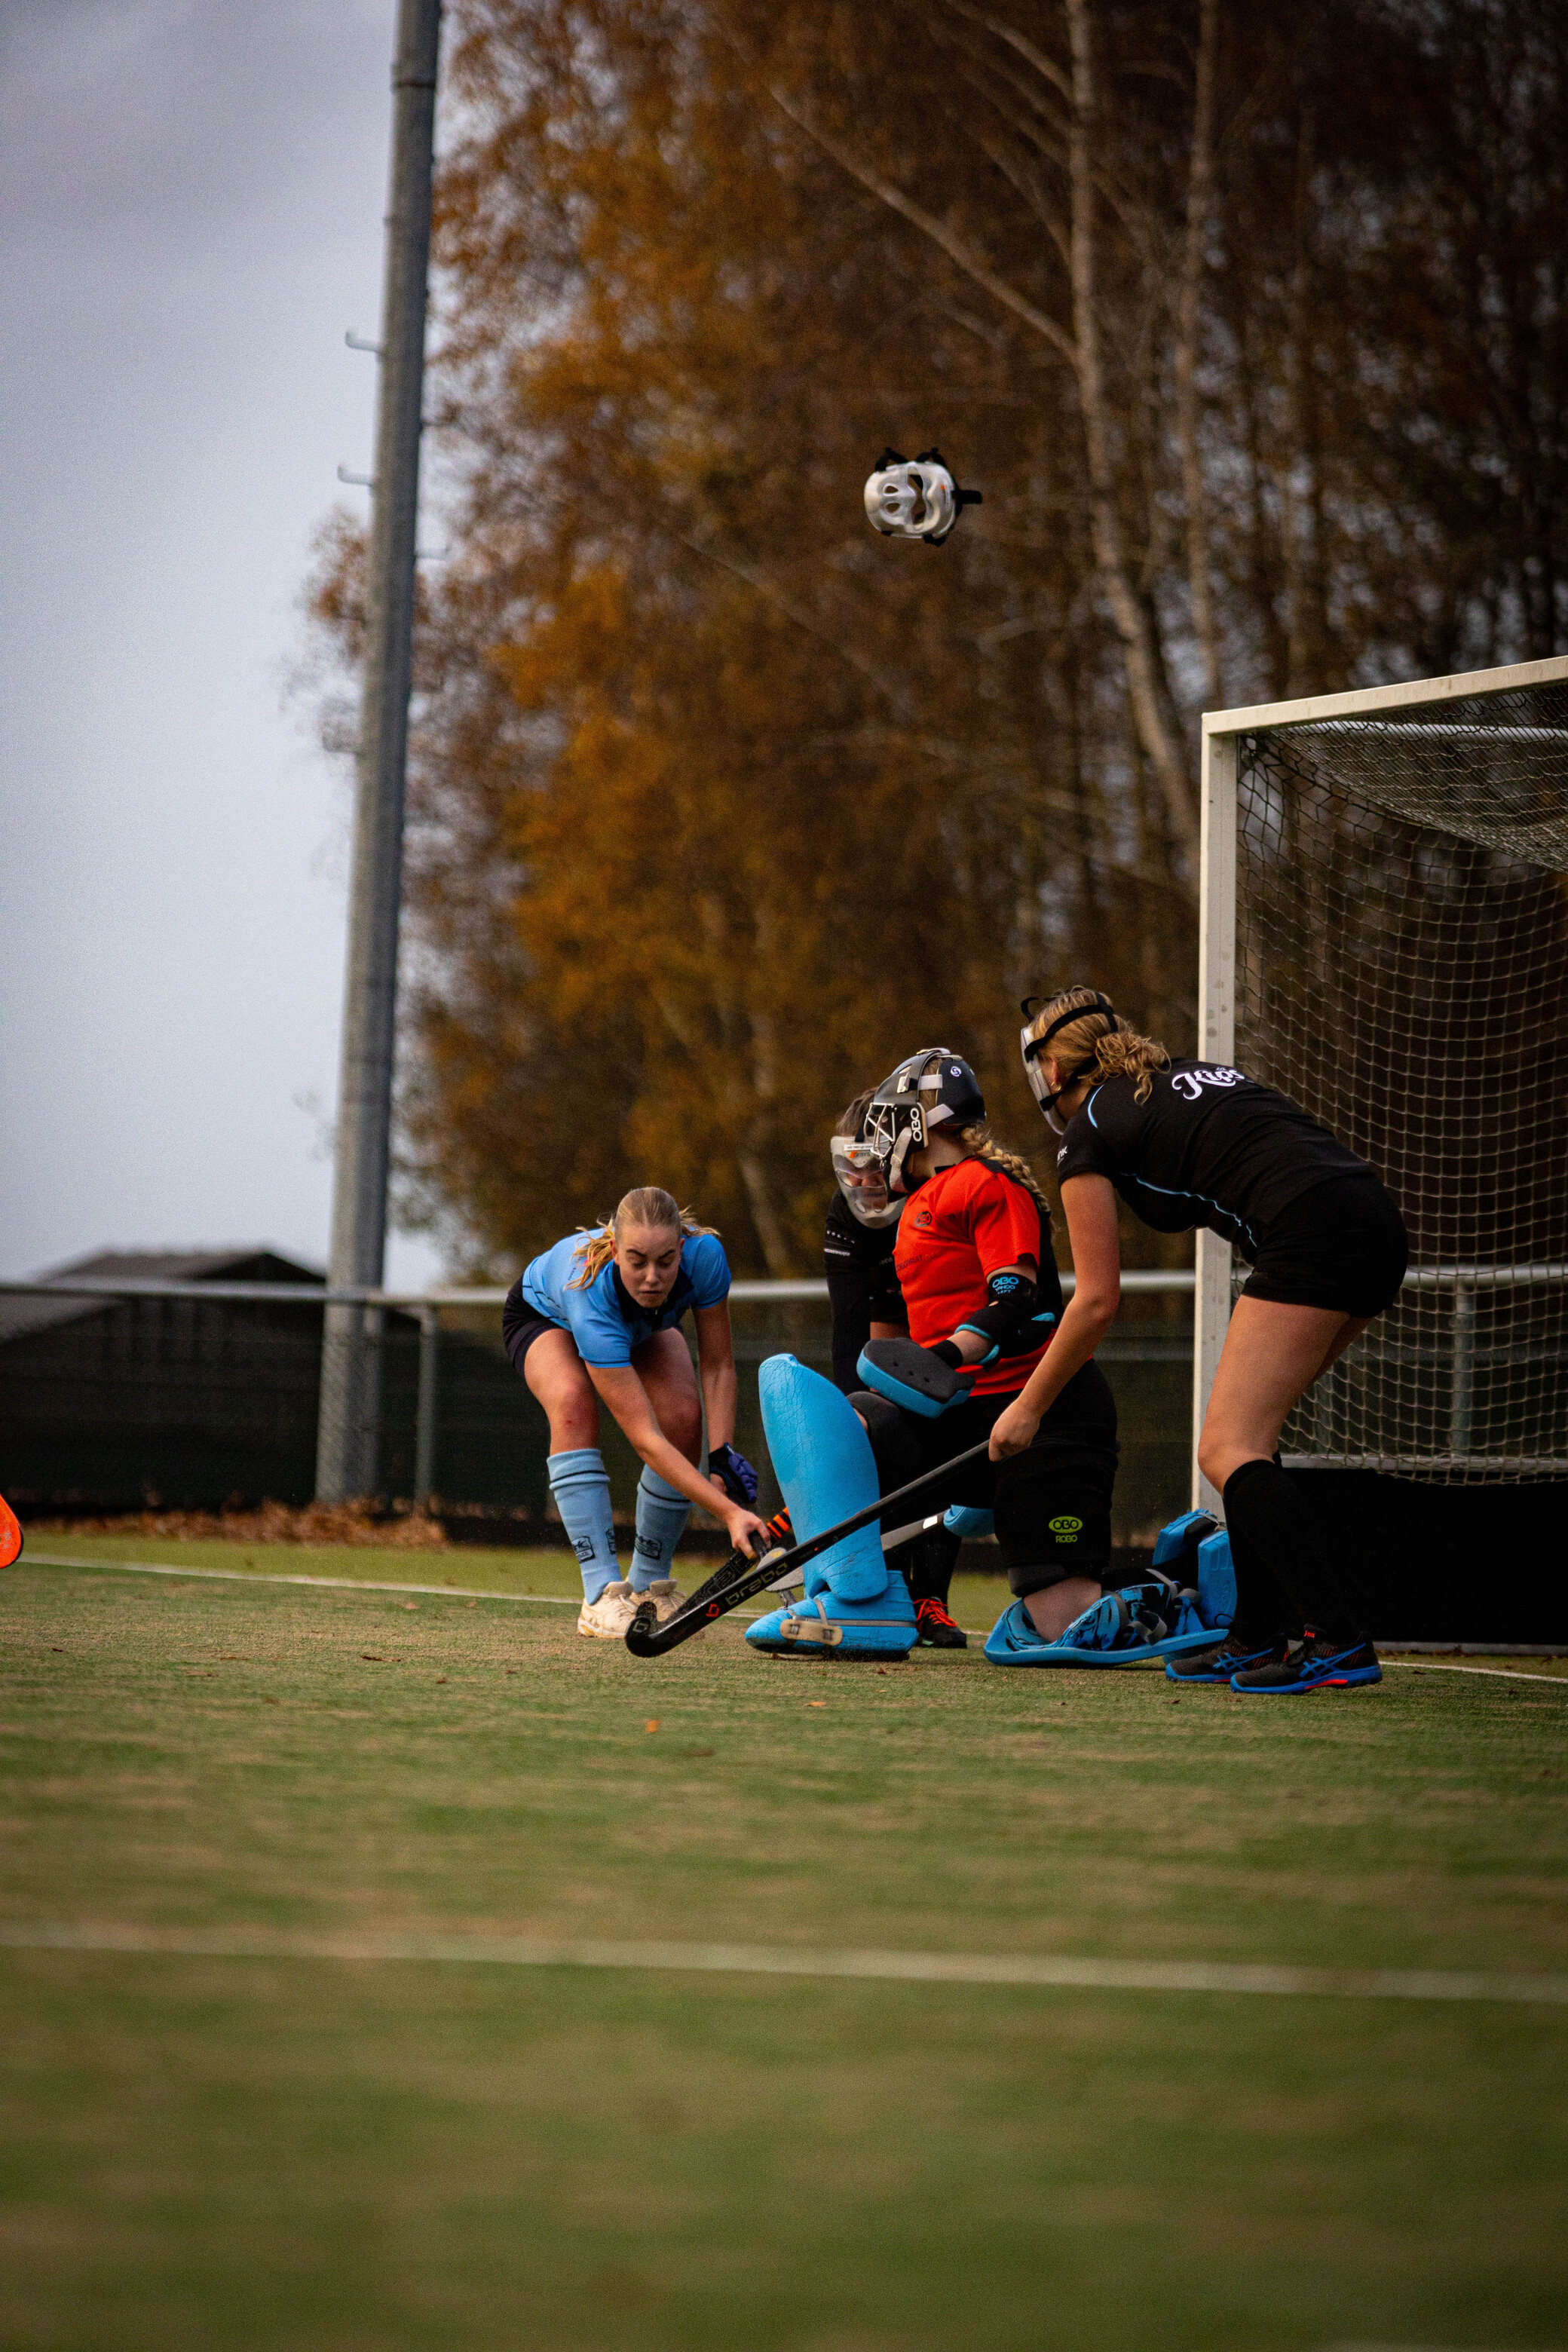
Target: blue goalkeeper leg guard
column 854, row 1605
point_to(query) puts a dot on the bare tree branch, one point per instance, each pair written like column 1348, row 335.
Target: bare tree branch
column 938, row 231
column 1189, row 320
column 1146, row 688
column 1043, row 65
column 792, row 611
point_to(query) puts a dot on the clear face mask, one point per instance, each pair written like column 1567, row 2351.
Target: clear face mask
column 1034, row 1052
column 862, row 1179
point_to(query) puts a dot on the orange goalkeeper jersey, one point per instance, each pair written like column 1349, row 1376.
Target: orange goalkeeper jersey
column 963, row 1226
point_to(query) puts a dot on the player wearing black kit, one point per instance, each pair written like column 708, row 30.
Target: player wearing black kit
column 858, row 1253
column 1187, row 1143
column 867, row 1303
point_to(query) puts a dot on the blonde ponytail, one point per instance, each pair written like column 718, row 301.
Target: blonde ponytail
column 650, row 1205
column 978, row 1145
column 1120, row 1053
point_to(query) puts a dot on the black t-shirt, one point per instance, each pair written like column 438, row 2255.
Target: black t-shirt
column 862, row 1286
column 1210, row 1147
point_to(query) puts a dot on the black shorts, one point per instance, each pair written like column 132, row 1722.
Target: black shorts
column 1342, row 1246
column 1052, row 1502
column 521, row 1325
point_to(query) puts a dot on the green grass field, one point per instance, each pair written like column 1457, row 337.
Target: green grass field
column 309, row 2154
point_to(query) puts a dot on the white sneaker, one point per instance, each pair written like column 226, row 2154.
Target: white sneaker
column 607, row 1619
column 666, row 1595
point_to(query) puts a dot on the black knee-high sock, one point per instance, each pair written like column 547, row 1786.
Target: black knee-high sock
column 928, row 1564
column 1266, row 1508
column 1264, row 1610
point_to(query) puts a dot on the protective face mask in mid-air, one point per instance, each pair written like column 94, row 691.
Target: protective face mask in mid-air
column 915, row 499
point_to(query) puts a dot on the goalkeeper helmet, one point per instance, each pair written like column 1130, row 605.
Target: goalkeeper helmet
column 918, row 500
column 933, row 1088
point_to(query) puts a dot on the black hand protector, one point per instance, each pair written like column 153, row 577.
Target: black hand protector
column 1013, row 1319
column 924, row 1381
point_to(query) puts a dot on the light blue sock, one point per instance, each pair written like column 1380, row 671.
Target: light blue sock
column 662, row 1513
column 580, row 1486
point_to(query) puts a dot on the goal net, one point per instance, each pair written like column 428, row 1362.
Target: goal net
column 1399, row 925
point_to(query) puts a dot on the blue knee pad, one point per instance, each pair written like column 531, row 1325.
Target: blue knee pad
column 821, row 1459
column 968, row 1519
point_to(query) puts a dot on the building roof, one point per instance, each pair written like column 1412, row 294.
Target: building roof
column 20, row 1316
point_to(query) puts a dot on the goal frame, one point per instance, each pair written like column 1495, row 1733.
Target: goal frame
column 1221, row 731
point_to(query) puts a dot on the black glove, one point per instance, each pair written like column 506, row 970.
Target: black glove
column 734, row 1474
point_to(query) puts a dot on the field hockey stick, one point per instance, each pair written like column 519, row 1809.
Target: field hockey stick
column 892, row 1541
column 742, row 1576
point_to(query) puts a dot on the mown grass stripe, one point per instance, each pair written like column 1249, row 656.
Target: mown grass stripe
column 1060, row 1971
column 560, row 1600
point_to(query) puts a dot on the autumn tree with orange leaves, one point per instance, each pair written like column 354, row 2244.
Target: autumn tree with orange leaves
column 1250, row 328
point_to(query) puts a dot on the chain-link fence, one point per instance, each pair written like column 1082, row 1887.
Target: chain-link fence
column 118, row 1397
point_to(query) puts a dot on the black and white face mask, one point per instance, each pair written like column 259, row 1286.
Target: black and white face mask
column 893, row 1130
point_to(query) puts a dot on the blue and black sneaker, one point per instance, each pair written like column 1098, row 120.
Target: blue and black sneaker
column 1217, row 1666
column 1316, row 1663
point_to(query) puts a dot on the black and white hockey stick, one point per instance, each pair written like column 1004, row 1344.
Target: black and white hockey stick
column 741, row 1578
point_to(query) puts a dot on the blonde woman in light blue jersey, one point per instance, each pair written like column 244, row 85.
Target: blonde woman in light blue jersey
column 594, row 1321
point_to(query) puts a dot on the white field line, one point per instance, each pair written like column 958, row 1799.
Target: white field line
column 787, row 1961
column 555, row 1600
column 1508, row 1674
column 332, row 1583
column 265, row 1576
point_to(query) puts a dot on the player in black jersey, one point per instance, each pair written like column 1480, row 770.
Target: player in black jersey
column 1188, row 1143
column 867, row 1304
column 857, row 1247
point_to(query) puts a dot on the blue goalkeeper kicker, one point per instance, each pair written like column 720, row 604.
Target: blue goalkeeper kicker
column 580, row 1486
column 662, row 1513
column 854, row 1605
column 1187, row 1602
column 1129, row 1628
column 1195, row 1551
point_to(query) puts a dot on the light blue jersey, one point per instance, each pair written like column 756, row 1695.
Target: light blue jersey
column 604, row 1319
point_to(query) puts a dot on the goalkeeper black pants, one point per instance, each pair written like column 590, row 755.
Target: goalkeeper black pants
column 1051, row 1503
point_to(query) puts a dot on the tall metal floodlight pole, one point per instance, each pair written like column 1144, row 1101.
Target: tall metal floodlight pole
column 348, row 1429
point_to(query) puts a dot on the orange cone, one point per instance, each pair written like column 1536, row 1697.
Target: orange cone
column 10, row 1534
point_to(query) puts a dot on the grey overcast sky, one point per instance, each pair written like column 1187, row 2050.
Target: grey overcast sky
column 192, row 192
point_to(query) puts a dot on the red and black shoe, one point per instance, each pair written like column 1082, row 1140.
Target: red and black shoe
column 938, row 1631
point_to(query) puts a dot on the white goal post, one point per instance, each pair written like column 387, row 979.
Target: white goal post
column 1383, row 935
